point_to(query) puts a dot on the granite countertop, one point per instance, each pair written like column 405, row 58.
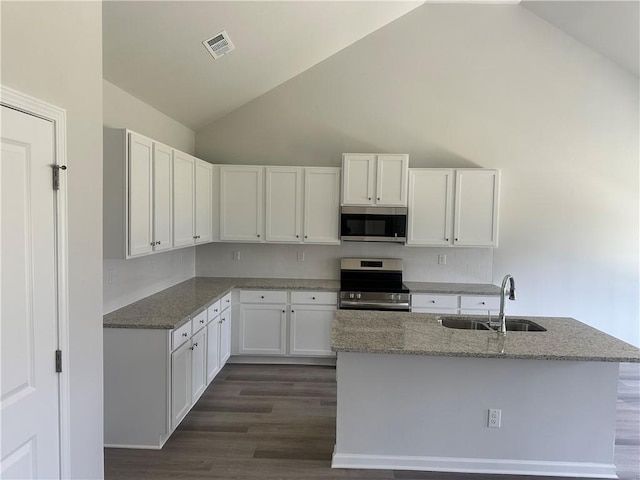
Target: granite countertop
column 421, row 334
column 174, row 306
column 453, row 288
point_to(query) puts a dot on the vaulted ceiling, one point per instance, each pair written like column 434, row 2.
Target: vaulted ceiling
column 154, row 51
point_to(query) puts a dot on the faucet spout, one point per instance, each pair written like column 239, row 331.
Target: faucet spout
column 508, row 279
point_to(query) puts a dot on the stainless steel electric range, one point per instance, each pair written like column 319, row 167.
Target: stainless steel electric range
column 373, row 284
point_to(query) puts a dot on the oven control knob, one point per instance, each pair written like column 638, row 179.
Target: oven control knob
column 358, row 296
column 352, row 296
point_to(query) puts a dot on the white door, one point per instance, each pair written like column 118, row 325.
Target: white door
column 241, row 202
column 358, row 175
column 183, row 211
column 140, row 194
column 203, row 201
column 476, row 208
column 29, row 382
column 321, row 205
column 430, row 199
column 283, row 203
column 162, row 197
column 391, row 183
column 311, row 329
column 180, row 383
column 263, row 329
column 225, row 336
column 198, row 364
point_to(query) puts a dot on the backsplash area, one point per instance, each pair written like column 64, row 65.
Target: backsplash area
column 467, row 265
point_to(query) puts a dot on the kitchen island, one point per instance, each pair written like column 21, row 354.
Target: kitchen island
column 415, row 395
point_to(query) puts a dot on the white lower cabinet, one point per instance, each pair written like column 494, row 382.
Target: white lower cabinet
column 153, row 377
column 273, row 324
column 180, row 383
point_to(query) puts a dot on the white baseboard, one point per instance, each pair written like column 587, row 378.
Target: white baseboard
column 282, row 360
column 139, row 447
column 475, row 465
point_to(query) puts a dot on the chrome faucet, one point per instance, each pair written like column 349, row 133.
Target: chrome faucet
column 502, row 329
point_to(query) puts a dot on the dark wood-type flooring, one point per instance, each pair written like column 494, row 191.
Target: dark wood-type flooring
column 273, row 422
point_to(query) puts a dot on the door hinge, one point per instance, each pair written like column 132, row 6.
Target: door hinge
column 56, row 175
column 58, row 361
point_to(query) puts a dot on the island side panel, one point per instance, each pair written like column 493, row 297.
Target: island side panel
column 431, row 413
column 136, row 410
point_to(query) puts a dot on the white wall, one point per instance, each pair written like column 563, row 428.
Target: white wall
column 464, row 265
column 53, row 51
column 126, row 281
column 482, row 85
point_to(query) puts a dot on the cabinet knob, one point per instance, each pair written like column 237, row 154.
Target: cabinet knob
column 215, row 309
column 283, row 311
column 297, row 236
column 306, row 236
column 456, row 239
column 158, row 242
column 378, row 198
column 261, row 296
column 313, row 298
column 293, row 311
column 482, row 303
column 153, row 244
column 185, row 334
column 202, row 321
column 195, row 344
column 446, row 239
column 369, row 198
column 432, row 301
column 220, row 322
column 258, row 235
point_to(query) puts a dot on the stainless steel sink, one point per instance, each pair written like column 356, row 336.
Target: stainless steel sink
column 475, row 323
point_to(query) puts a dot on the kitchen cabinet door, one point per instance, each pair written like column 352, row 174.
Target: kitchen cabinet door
column 358, row 179
column 180, row 383
column 311, row 330
column 322, row 205
column 476, row 208
column 203, row 201
column 198, row 365
column 391, row 180
column 283, row 203
column 139, row 171
column 225, row 337
column 241, row 203
column 162, row 197
column 262, row 329
column 430, row 206
column 183, row 193
column 213, row 348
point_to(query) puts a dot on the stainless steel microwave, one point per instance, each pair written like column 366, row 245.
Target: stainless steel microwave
column 373, row 224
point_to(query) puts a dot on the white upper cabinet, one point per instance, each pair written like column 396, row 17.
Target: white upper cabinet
column 241, row 203
column 203, row 202
column 140, row 206
column 370, row 179
column 183, row 194
column 453, row 207
column 162, row 197
column 476, row 207
column 321, row 205
column 391, row 180
column 283, row 201
column 430, row 206
column 358, row 179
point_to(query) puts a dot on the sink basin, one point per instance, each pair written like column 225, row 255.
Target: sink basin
column 475, row 323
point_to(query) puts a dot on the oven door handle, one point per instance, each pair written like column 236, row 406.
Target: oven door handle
column 388, row 306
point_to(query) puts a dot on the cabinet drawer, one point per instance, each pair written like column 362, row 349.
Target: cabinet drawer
column 213, row 310
column 480, row 302
column 425, row 300
column 225, row 302
column 263, row 296
column 199, row 321
column 314, row 298
column 180, row 335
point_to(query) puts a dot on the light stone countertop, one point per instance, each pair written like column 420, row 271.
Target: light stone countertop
column 174, row 306
column 421, row 334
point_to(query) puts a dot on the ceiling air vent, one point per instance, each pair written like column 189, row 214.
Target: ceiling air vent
column 219, row 45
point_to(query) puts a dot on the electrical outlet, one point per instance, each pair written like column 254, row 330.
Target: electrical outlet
column 494, row 418
column 301, row 256
column 236, row 255
column 442, row 259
